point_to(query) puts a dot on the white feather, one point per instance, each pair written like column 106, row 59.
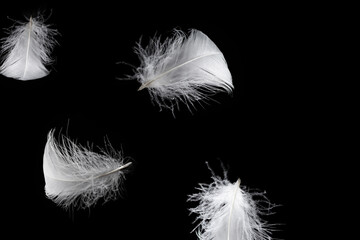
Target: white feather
column 184, row 69
column 76, row 176
column 227, row 212
column 27, row 49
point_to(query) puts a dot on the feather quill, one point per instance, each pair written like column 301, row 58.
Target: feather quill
column 182, row 69
column 76, row 176
column 227, row 212
column 27, row 50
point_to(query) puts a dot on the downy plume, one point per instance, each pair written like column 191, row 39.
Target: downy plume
column 27, row 50
column 182, row 69
column 78, row 177
column 228, row 212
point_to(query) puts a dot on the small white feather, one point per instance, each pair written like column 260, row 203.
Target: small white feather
column 76, row 176
column 27, row 50
column 182, row 69
column 227, row 212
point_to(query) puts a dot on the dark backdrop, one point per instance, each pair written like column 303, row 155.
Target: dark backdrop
column 250, row 132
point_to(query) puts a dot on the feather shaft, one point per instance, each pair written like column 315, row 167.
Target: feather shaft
column 237, row 185
column 89, row 179
column 146, row 84
column 27, row 48
column 115, row 170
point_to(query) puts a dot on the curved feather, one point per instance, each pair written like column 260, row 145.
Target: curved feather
column 227, row 212
column 76, row 176
column 182, row 69
column 27, row 50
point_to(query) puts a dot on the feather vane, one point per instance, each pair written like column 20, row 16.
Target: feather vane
column 227, row 212
column 182, row 69
column 27, row 50
column 76, row 176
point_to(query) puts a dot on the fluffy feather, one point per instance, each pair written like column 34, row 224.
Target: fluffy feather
column 227, row 212
column 76, row 176
column 182, row 69
column 27, row 49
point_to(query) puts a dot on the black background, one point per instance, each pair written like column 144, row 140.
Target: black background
column 250, row 132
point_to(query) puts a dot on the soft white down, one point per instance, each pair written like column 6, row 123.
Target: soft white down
column 227, row 212
column 27, row 50
column 78, row 177
column 182, row 69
